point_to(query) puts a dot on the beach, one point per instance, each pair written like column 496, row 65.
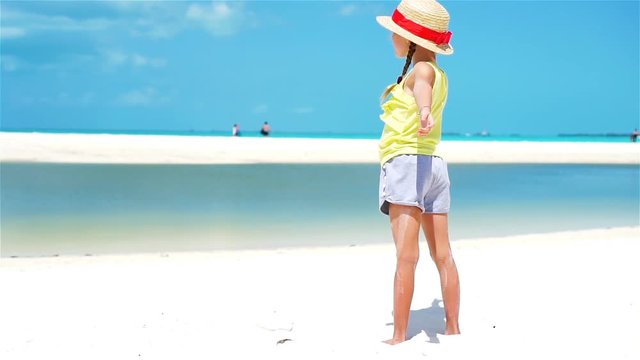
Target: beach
column 202, row 180
column 543, row 295
column 166, row 149
column 547, row 296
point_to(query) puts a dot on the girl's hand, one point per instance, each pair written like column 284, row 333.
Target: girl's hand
column 426, row 123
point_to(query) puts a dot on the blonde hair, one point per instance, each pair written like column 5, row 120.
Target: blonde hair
column 412, row 50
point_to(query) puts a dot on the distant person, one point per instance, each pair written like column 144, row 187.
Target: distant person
column 634, row 135
column 266, row 129
column 414, row 182
column 236, row 130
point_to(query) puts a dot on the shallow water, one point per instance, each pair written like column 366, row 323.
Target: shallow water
column 49, row 209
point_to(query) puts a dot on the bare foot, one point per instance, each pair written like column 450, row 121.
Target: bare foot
column 393, row 341
column 454, row 331
column 452, row 328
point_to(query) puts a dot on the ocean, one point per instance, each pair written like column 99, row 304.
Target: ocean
column 88, row 209
column 613, row 137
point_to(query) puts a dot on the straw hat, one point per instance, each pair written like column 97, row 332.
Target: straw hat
column 423, row 22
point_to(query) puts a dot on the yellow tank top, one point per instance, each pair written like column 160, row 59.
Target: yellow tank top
column 400, row 133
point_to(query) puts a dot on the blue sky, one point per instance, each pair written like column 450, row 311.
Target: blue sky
column 529, row 67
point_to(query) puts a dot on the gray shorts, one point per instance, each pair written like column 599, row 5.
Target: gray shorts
column 415, row 180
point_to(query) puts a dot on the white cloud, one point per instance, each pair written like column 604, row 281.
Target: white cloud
column 11, row 32
column 219, row 18
column 9, row 63
column 141, row 97
column 60, row 99
column 34, row 22
column 116, row 58
column 154, row 19
column 109, row 59
column 303, row 110
column 139, row 60
column 69, row 62
column 348, row 10
column 155, row 29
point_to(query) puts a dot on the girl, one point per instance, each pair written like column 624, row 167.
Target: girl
column 414, row 183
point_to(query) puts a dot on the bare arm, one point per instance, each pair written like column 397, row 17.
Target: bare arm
column 424, row 77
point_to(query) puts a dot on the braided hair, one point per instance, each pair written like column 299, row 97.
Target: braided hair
column 412, row 50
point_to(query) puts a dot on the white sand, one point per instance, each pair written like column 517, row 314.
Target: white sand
column 571, row 295
column 160, row 149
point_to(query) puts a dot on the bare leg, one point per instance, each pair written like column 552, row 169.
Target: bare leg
column 436, row 230
column 405, row 226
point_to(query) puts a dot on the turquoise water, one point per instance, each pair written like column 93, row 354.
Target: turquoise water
column 49, row 209
column 445, row 137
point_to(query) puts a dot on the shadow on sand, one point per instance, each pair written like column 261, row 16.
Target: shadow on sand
column 430, row 320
